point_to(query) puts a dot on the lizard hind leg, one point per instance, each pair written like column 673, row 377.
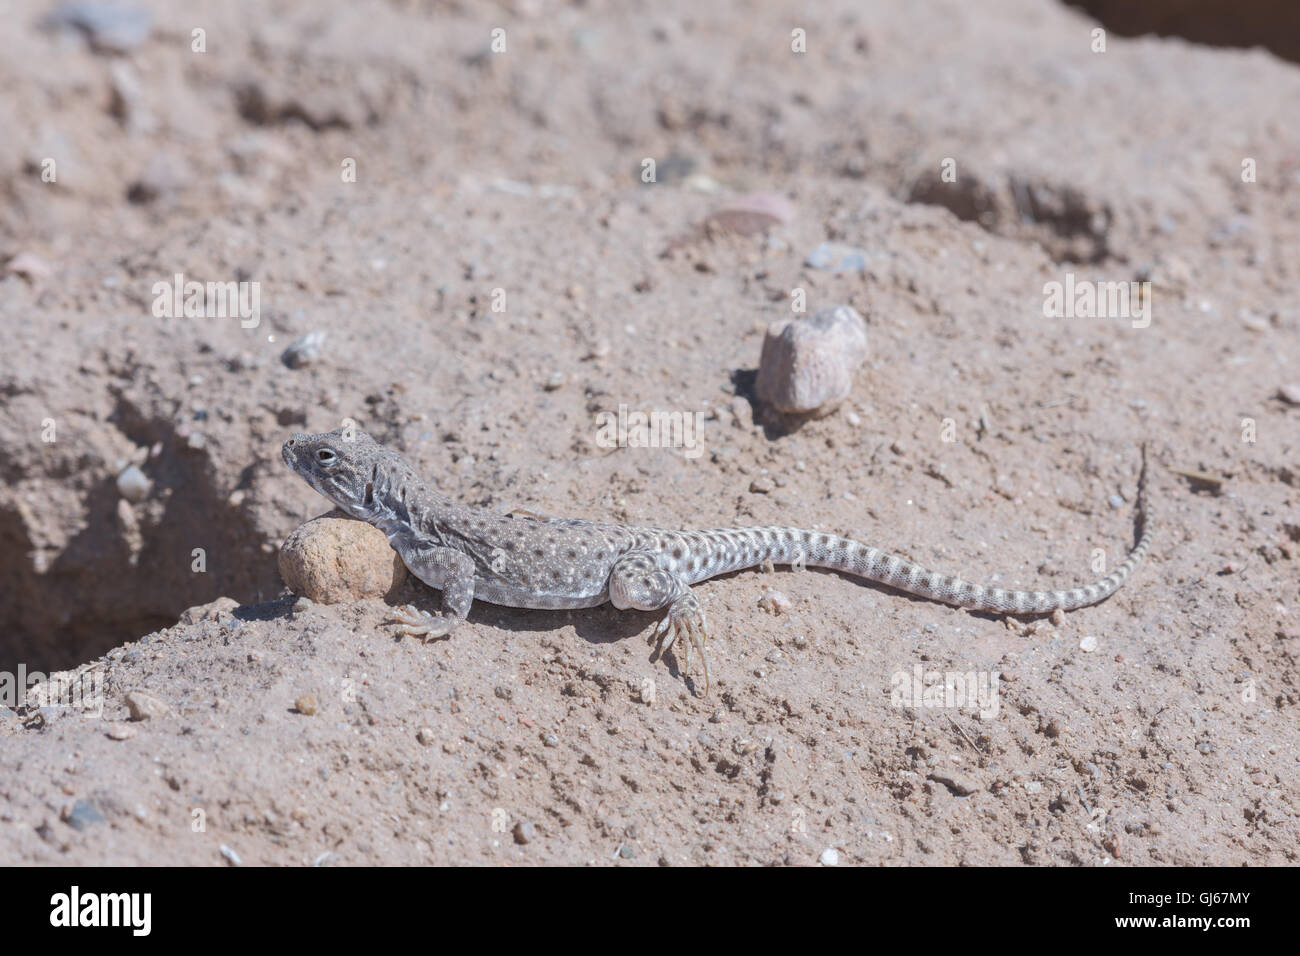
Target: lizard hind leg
column 422, row 624
column 685, row 620
column 446, row 569
column 636, row 581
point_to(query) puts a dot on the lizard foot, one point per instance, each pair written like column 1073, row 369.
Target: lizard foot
column 422, row 624
column 685, row 620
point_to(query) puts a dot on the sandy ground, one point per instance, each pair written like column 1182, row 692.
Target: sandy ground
column 497, row 275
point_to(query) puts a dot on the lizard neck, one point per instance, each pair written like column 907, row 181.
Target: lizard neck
column 397, row 501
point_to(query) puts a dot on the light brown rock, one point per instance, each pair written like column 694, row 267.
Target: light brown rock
column 212, row 611
column 333, row 560
column 145, row 706
column 751, row 214
column 807, row 365
column 120, row 732
column 28, row 265
column 961, row 785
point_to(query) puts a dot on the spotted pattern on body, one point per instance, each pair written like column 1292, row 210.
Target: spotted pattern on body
column 531, row 561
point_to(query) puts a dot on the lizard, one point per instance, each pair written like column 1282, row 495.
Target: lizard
column 533, row 561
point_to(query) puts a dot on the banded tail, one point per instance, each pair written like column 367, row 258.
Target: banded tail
column 718, row 552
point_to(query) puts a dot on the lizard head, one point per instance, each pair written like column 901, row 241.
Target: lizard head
column 343, row 465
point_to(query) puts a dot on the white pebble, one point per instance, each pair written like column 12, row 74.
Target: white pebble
column 773, row 601
column 1088, row 644
column 132, row 484
column 830, row 856
column 304, row 350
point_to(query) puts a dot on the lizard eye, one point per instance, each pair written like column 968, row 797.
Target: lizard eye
column 325, row 456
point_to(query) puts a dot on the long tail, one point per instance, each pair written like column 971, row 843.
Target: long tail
column 815, row 549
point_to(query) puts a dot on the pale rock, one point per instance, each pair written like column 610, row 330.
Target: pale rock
column 807, row 365
column 145, row 706
column 336, row 560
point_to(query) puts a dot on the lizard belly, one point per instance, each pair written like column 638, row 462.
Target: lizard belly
column 511, row 595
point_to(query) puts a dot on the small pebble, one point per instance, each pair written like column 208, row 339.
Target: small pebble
column 127, row 101
column 1252, row 320
column 838, row 257
column 1290, row 394
column 525, row 831
column 132, row 484
column 306, row 705
column 761, row 485
column 773, row 601
column 231, row 856
column 1115, row 501
column 303, row 351
column 425, row 736
column 28, row 265
column 145, row 706
column 120, row 732
column 830, row 856
column 752, row 214
column 164, row 176
column 742, row 413
column 81, row 815
column 108, row 27
column 1088, row 644
column 959, row 784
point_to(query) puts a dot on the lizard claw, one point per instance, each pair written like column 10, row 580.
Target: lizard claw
column 685, row 620
column 421, row 623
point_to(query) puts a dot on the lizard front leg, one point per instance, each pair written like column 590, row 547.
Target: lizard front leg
column 448, row 570
column 637, row 581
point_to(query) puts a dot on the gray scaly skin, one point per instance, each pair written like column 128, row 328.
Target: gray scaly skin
column 536, row 562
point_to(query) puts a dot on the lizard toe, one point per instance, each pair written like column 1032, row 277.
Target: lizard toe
column 422, row 624
column 684, row 627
